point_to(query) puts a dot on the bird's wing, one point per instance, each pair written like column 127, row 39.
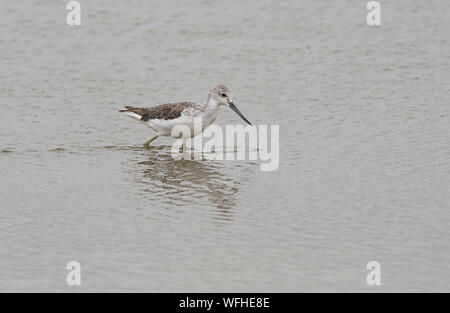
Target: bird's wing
column 167, row 111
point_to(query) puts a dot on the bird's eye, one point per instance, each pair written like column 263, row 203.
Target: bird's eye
column 223, row 95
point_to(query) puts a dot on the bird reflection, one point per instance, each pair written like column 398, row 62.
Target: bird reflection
column 186, row 183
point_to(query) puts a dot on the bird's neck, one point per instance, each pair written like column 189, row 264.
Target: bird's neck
column 211, row 105
column 210, row 109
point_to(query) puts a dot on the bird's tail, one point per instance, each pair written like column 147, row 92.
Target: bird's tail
column 128, row 109
column 132, row 112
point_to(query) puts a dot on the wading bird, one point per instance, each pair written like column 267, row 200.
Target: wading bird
column 164, row 117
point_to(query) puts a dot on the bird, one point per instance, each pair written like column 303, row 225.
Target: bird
column 162, row 118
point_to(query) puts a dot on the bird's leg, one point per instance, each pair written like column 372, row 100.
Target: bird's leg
column 147, row 143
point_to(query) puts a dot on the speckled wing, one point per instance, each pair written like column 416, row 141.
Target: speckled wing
column 167, row 111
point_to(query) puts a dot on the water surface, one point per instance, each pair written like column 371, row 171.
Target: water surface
column 364, row 147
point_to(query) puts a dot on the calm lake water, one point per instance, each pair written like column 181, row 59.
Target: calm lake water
column 364, row 147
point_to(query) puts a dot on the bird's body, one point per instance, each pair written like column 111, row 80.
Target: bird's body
column 163, row 118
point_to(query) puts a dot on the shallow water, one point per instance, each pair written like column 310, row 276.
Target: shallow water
column 364, row 147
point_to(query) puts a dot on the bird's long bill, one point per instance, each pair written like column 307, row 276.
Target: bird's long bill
column 235, row 109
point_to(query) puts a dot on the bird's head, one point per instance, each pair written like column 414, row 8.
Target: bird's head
column 222, row 96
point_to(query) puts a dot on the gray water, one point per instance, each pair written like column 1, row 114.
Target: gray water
column 364, row 147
